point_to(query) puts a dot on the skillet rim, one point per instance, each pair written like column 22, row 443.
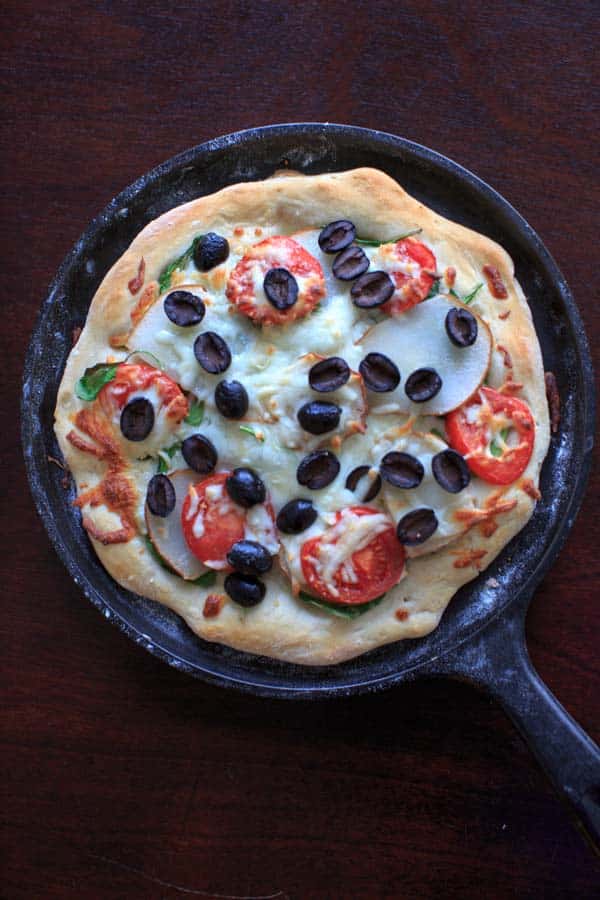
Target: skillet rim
column 215, row 675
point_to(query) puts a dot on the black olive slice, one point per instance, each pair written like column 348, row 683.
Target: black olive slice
column 199, row 453
column 379, row 373
column 461, row 327
column 160, row 496
column 246, row 590
column 350, row 263
column 329, row 374
column 210, row 251
column 231, row 399
column 450, row 471
column 246, row 487
column 318, row 469
column 422, row 385
column 137, row 419
column 212, row 352
column 356, row 475
column 372, row 289
column 183, row 308
column 319, row 417
column 296, row 516
column 337, row 235
column 401, row 469
column 250, row 558
column 281, row 288
column 416, row 526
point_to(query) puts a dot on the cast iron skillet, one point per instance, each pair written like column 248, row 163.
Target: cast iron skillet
column 481, row 637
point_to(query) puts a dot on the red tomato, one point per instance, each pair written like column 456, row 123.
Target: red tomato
column 135, row 377
column 474, row 429
column 273, row 253
column 223, row 522
column 410, row 288
column 369, row 572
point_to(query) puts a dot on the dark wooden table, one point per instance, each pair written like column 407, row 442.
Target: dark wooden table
column 123, row 778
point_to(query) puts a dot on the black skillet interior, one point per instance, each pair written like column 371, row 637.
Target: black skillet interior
column 312, row 148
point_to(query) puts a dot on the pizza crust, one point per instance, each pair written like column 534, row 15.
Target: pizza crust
column 282, row 626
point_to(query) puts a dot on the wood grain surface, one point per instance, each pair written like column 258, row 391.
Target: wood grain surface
column 123, row 778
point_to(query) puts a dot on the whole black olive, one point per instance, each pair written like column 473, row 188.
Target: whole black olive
column 318, row 469
column 461, row 327
column 231, row 399
column 402, row 470
column 160, row 496
column 199, row 453
column 416, row 527
column 245, row 590
column 212, row 352
column 329, row 374
column 184, row 308
column 281, row 288
column 296, row 516
column 450, row 471
column 356, row 476
column 137, row 419
column 350, row 263
column 372, row 289
column 245, row 487
column 319, row 417
column 337, row 235
column 379, row 372
column 210, row 251
column 250, row 558
column 422, row 385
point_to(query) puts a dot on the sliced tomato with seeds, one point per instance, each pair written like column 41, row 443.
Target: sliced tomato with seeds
column 372, row 568
column 245, row 285
column 495, row 433
column 133, row 378
column 411, row 266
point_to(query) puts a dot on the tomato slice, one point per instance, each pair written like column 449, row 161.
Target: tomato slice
column 495, row 433
column 132, row 378
column 411, row 265
column 273, row 253
column 369, row 571
column 212, row 523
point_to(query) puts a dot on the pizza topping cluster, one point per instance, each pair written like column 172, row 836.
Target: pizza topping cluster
column 416, row 365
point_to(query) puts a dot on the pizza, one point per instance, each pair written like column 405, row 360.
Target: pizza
column 303, row 412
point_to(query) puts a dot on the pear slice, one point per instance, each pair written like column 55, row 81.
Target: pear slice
column 166, row 533
column 418, row 339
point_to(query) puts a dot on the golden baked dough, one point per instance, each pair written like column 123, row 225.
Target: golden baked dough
column 284, row 626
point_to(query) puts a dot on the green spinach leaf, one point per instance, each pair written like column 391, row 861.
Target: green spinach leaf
column 164, row 279
column 93, row 380
column 195, row 414
column 344, row 612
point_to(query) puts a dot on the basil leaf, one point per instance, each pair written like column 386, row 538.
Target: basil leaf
column 163, row 466
column 438, row 434
column 473, row 293
column 495, row 448
column 366, row 242
column 164, row 279
column 195, row 414
column 249, row 430
column 93, row 380
column 434, row 289
column 344, row 612
column 207, row 579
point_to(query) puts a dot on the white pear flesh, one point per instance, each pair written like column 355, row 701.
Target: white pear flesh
column 417, row 339
column 166, row 533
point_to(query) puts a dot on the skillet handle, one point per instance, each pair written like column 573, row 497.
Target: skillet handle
column 497, row 661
